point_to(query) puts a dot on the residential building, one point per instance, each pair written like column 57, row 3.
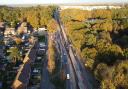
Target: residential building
column 9, row 31
column 2, row 28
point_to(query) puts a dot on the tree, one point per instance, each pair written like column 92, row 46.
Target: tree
column 105, row 35
column 46, row 14
column 102, row 44
column 33, row 18
column 90, row 39
column 89, row 53
column 14, row 54
column 110, row 55
column 18, row 41
column 52, row 26
column 107, row 25
column 72, row 15
column 125, row 53
column 121, row 77
column 101, row 14
column 107, row 84
column 77, row 37
column 101, row 71
column 51, row 57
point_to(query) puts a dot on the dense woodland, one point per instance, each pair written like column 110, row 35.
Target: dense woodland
column 101, row 38
column 36, row 16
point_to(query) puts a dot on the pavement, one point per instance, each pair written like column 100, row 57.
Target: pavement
column 45, row 79
column 70, row 83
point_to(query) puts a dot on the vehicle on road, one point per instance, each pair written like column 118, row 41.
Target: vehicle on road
column 64, row 53
column 68, row 77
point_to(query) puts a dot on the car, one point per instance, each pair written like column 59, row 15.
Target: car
column 86, row 64
column 42, row 49
column 64, row 53
column 36, row 71
column 39, row 58
column 68, row 77
column 41, row 44
column 27, row 44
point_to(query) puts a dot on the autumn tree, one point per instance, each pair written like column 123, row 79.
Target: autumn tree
column 51, row 57
column 89, row 55
column 14, row 54
column 52, row 26
column 101, row 14
column 18, row 41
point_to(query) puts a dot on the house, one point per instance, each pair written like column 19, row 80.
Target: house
column 42, row 31
column 9, row 31
column 21, row 30
column 24, row 27
column 2, row 24
column 2, row 28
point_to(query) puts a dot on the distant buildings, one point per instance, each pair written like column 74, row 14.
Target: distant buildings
column 89, row 7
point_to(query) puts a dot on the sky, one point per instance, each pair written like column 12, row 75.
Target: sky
column 2, row 2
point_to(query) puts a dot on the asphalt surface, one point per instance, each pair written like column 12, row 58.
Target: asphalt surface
column 82, row 77
column 45, row 79
column 70, row 83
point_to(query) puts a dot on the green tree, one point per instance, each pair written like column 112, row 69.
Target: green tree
column 52, row 26
column 125, row 53
column 89, row 55
column 14, row 54
column 51, row 57
column 121, row 74
column 101, row 71
column 107, row 84
column 90, row 39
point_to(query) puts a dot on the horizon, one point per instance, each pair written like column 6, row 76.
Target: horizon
column 40, row 2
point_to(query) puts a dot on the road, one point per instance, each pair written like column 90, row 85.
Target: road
column 45, row 79
column 70, row 83
column 83, row 79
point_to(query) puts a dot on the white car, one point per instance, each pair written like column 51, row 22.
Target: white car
column 38, row 58
column 68, row 77
column 64, row 53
